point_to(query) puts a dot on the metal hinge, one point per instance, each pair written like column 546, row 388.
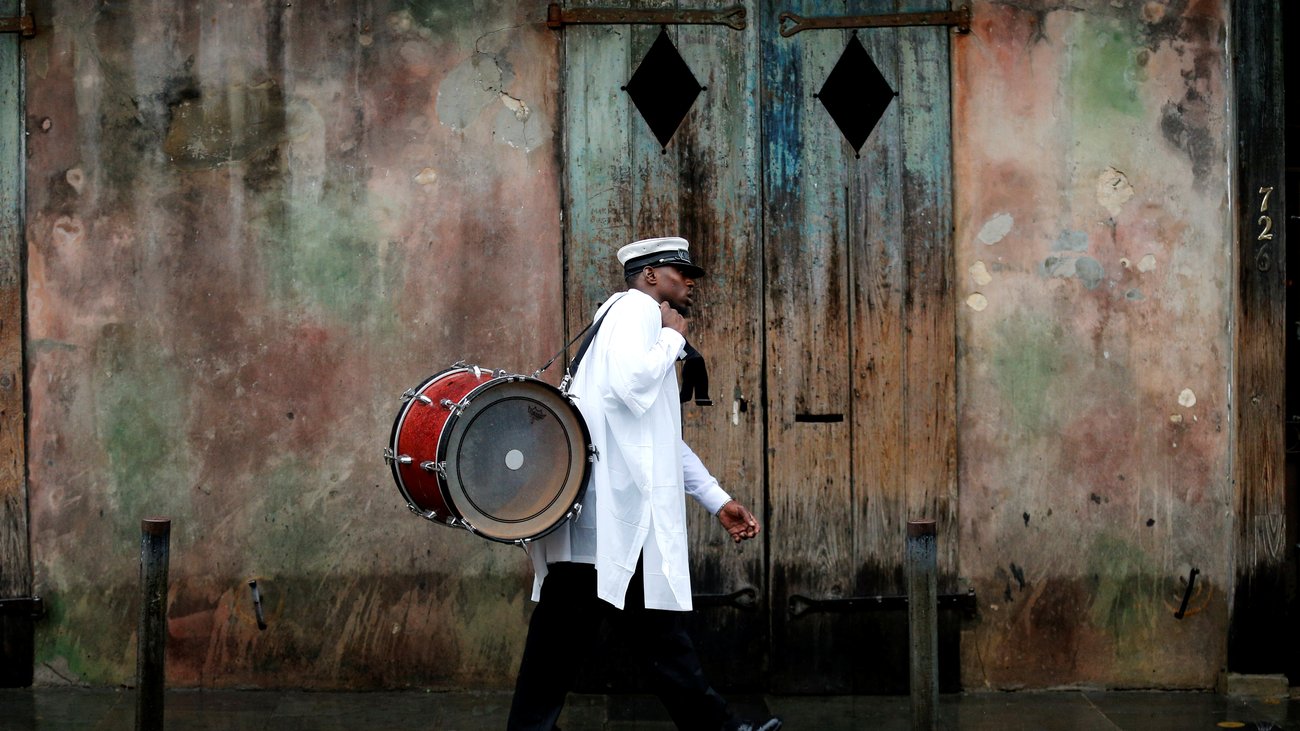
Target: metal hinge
column 30, row 606
column 22, row 25
column 558, row 17
column 746, row 598
column 801, row 605
column 959, row 18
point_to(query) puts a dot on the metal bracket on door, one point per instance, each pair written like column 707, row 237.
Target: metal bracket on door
column 23, row 25
column 558, row 17
column 960, row 18
column 801, row 605
column 746, row 598
column 26, row 606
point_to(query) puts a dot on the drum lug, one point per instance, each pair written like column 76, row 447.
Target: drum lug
column 595, row 453
column 575, row 512
column 410, row 393
column 426, row 514
column 390, row 457
column 462, row 523
column 439, row 468
column 455, row 408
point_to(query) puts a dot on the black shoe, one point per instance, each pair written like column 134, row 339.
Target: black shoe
column 771, row 724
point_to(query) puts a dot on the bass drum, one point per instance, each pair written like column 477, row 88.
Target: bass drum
column 504, row 456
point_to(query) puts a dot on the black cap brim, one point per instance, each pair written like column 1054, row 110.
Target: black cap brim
column 663, row 259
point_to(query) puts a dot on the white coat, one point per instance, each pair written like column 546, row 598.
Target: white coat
column 626, row 389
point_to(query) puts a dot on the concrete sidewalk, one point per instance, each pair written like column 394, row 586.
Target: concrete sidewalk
column 51, row 709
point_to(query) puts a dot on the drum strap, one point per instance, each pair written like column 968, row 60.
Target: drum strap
column 695, row 374
column 586, row 343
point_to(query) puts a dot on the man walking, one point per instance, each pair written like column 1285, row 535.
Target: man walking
column 624, row 559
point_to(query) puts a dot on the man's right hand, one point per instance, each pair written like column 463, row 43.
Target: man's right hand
column 671, row 318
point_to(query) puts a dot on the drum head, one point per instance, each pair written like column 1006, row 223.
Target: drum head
column 516, row 459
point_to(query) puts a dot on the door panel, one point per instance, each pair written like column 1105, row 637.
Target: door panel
column 806, row 249
column 17, row 631
column 621, row 186
column 827, row 319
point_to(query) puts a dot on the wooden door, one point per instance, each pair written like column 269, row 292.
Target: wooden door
column 621, row 184
column 860, row 345
column 16, row 625
column 826, row 317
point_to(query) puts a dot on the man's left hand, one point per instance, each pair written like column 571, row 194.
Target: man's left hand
column 741, row 524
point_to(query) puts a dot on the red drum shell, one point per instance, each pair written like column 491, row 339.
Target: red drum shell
column 514, row 454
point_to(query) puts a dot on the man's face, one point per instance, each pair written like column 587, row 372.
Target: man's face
column 674, row 287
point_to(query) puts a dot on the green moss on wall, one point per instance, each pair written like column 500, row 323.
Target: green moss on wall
column 1027, row 363
column 139, row 415
column 1104, row 72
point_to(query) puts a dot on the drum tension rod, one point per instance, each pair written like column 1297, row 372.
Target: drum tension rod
column 390, row 457
column 426, row 514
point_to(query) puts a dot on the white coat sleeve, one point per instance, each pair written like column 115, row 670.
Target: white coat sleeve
column 700, row 484
column 639, row 353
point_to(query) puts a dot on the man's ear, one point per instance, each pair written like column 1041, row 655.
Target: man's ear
column 650, row 275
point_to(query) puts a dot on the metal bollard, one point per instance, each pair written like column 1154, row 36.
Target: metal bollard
column 923, row 622
column 151, row 641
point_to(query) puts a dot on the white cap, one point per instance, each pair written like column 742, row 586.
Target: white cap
column 661, row 251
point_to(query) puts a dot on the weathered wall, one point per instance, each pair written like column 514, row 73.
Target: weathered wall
column 251, row 226
column 1093, row 247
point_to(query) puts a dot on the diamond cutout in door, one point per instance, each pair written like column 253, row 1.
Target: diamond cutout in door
column 663, row 89
column 856, row 94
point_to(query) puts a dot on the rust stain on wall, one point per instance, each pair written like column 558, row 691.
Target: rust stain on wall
column 1089, row 486
column 249, row 232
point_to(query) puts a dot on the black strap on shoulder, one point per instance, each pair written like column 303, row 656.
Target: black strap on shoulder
column 695, row 375
column 586, row 343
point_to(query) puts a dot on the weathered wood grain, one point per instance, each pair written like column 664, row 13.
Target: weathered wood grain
column 598, row 188
column 929, row 297
column 16, row 640
column 806, row 252
column 718, row 194
column 1260, row 395
column 621, row 185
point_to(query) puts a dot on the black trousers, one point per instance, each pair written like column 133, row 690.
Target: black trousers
column 565, row 623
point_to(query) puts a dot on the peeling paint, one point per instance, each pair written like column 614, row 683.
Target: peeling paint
column 1113, row 190
column 980, row 274
column 977, row 302
column 1071, row 241
column 1187, row 398
column 473, row 86
column 996, row 228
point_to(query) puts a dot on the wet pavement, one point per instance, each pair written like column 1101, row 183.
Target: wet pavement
column 55, row 709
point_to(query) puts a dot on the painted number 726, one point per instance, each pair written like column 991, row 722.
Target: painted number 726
column 1263, row 260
